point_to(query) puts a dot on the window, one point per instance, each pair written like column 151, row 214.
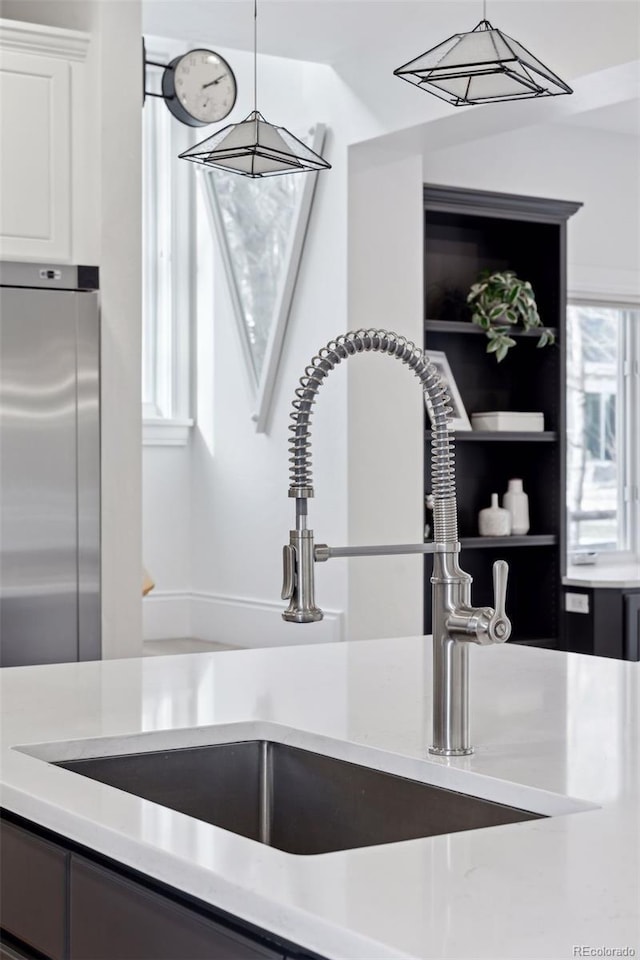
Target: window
column 167, row 246
column 603, row 428
column 600, row 425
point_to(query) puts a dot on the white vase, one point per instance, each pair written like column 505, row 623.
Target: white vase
column 516, row 502
column 493, row 521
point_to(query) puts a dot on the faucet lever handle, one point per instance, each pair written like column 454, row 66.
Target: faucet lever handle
column 288, row 571
column 500, row 625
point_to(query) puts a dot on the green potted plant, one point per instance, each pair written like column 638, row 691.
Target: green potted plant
column 499, row 301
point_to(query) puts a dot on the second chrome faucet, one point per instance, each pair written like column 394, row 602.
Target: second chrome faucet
column 455, row 622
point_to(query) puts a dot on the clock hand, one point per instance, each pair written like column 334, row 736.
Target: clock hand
column 211, row 82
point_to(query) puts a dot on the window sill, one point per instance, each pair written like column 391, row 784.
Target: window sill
column 158, row 432
column 607, row 559
column 621, row 571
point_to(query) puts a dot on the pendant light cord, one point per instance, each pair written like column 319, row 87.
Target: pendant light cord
column 484, row 9
column 255, row 56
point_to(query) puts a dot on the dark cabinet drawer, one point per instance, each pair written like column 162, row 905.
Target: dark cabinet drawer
column 113, row 918
column 632, row 625
column 33, row 890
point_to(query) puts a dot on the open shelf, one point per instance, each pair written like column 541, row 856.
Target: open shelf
column 526, row 380
column 510, row 436
column 467, row 232
column 528, row 540
column 461, row 326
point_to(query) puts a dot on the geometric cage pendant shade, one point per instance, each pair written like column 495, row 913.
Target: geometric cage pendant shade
column 255, row 148
column 481, row 66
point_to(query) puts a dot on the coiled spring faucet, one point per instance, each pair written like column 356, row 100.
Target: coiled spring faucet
column 455, row 622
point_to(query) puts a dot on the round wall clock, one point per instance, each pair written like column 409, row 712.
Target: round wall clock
column 199, row 87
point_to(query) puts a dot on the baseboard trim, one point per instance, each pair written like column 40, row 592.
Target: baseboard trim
column 166, row 615
column 241, row 621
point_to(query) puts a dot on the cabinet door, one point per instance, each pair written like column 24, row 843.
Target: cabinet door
column 113, row 918
column 35, row 131
column 33, row 885
column 632, row 626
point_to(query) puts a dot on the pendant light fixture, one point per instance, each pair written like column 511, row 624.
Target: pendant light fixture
column 253, row 147
column 482, row 66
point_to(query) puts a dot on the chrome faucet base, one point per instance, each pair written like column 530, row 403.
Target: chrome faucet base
column 305, row 616
column 443, row 752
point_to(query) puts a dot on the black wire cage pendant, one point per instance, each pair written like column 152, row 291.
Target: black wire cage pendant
column 481, row 66
column 255, row 148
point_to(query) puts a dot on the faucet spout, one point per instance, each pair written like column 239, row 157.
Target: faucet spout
column 455, row 622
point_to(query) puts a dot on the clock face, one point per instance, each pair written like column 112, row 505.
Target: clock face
column 203, row 87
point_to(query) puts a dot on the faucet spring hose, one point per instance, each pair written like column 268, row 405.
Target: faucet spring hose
column 442, row 447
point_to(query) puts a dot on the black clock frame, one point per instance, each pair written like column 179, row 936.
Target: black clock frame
column 169, row 95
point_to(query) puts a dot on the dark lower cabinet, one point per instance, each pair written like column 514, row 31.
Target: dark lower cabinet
column 632, row 625
column 115, row 919
column 59, row 903
column 33, row 885
column 604, row 621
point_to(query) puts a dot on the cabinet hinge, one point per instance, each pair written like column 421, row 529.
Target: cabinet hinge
column 631, row 368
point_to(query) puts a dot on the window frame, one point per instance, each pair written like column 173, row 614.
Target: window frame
column 168, row 275
column 263, row 383
column 628, row 442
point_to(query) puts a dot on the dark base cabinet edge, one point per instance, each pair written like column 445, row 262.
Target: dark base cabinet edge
column 264, row 942
column 13, row 949
column 547, row 643
column 609, row 626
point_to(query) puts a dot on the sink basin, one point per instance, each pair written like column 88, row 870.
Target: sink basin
column 294, row 799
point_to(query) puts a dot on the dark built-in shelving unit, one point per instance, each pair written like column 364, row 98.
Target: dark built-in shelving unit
column 465, row 232
column 449, row 326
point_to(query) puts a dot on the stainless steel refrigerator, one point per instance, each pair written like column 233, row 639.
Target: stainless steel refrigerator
column 49, row 464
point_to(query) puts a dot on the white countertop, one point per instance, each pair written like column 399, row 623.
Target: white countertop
column 620, row 575
column 559, row 722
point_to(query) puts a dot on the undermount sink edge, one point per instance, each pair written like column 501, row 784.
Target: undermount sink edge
column 428, row 772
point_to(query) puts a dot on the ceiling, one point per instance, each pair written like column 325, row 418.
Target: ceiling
column 332, row 31
column 364, row 40
column 617, row 118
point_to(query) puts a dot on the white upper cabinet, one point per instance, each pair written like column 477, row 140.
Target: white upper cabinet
column 39, row 67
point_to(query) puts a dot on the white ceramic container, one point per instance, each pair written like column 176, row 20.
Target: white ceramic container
column 494, row 521
column 516, row 502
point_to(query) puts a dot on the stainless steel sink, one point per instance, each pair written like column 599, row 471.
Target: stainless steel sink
column 293, row 799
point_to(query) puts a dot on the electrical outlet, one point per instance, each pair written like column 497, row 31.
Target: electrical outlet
column 576, row 602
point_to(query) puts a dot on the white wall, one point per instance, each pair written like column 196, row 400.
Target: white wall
column 385, row 405
column 107, row 232
column 239, row 495
column 166, row 523
column 565, row 162
column 118, row 29
column 66, row 14
column 240, row 511
column 362, row 266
